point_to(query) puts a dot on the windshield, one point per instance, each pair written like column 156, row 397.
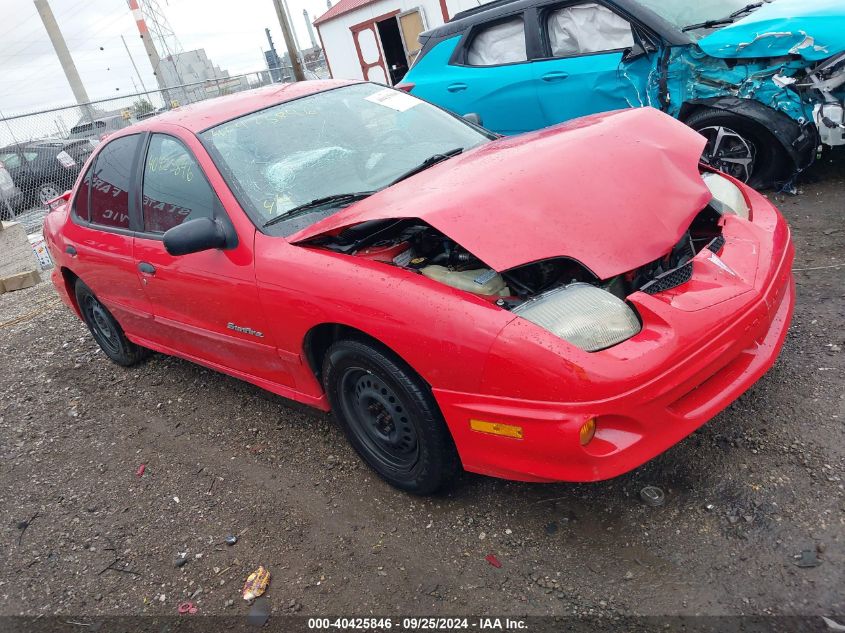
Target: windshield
column 351, row 140
column 683, row 13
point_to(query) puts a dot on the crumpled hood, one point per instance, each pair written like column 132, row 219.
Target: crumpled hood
column 613, row 191
column 813, row 29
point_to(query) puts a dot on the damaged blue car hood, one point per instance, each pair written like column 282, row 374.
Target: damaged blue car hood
column 813, row 29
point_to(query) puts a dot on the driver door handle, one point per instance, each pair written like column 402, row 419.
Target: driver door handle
column 146, row 268
column 458, row 87
column 557, row 75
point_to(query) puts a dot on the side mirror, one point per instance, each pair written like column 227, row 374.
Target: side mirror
column 194, row 236
column 634, row 52
column 474, row 118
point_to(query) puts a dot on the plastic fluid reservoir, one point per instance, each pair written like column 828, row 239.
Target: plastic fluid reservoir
column 482, row 281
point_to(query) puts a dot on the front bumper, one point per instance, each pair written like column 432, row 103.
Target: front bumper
column 691, row 386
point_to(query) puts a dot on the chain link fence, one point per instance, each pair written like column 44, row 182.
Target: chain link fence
column 41, row 153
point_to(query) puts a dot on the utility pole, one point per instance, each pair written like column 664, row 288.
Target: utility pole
column 290, row 42
column 62, row 52
column 132, row 59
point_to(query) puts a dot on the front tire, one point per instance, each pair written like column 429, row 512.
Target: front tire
column 106, row 330
column 741, row 148
column 389, row 416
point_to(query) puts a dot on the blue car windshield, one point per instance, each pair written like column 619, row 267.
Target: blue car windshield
column 683, row 13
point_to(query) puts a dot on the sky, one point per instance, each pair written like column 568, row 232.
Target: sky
column 31, row 78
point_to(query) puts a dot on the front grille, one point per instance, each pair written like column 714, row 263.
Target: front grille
column 716, row 244
column 668, row 280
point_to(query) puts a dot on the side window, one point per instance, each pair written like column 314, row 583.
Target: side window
column 500, row 43
column 83, row 194
column 111, row 181
column 587, row 28
column 175, row 189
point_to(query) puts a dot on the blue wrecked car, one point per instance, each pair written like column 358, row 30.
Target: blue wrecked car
column 764, row 82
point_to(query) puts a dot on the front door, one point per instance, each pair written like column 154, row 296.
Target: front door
column 585, row 72
column 205, row 304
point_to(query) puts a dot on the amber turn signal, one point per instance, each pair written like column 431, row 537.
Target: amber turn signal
column 493, row 428
column 588, row 430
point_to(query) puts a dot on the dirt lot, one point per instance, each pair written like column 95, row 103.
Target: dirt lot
column 745, row 495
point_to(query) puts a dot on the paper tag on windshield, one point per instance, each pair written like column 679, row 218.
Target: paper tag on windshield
column 394, row 99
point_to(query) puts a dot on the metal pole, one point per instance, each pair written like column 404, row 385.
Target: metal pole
column 62, row 52
column 132, row 59
column 290, row 43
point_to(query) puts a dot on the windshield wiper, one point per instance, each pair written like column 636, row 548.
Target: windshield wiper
column 338, row 198
column 728, row 20
column 428, row 162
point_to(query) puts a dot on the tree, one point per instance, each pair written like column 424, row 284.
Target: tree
column 142, row 107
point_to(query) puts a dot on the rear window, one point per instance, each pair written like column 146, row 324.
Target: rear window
column 111, row 181
column 83, row 195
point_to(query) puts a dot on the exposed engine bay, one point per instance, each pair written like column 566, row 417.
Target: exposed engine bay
column 828, row 78
column 414, row 245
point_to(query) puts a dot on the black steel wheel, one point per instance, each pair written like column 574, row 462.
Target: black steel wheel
column 390, row 416
column 106, row 330
column 741, row 148
column 379, row 420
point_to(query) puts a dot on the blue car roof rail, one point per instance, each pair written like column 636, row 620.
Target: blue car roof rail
column 669, row 33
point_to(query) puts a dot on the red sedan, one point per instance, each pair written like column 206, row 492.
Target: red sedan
column 559, row 306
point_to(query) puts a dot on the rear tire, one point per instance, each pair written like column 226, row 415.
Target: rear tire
column 389, row 416
column 106, row 330
column 741, row 148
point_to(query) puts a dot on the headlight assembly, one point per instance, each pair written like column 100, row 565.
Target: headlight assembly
column 586, row 316
column 727, row 197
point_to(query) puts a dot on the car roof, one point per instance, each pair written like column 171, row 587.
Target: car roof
column 202, row 115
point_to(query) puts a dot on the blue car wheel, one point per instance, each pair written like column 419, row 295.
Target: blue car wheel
column 741, row 148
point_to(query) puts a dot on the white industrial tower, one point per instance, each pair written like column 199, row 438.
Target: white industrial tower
column 310, row 28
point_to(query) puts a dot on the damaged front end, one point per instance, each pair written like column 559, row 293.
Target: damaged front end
column 774, row 72
column 827, row 81
column 559, row 294
column 809, row 95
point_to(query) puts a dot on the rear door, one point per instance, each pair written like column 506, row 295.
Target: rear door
column 205, row 304
column 489, row 74
column 99, row 237
column 583, row 70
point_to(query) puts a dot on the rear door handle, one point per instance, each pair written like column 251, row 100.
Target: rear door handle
column 147, row 269
column 557, row 75
column 459, row 87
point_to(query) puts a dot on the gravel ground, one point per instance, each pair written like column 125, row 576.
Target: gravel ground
column 752, row 489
